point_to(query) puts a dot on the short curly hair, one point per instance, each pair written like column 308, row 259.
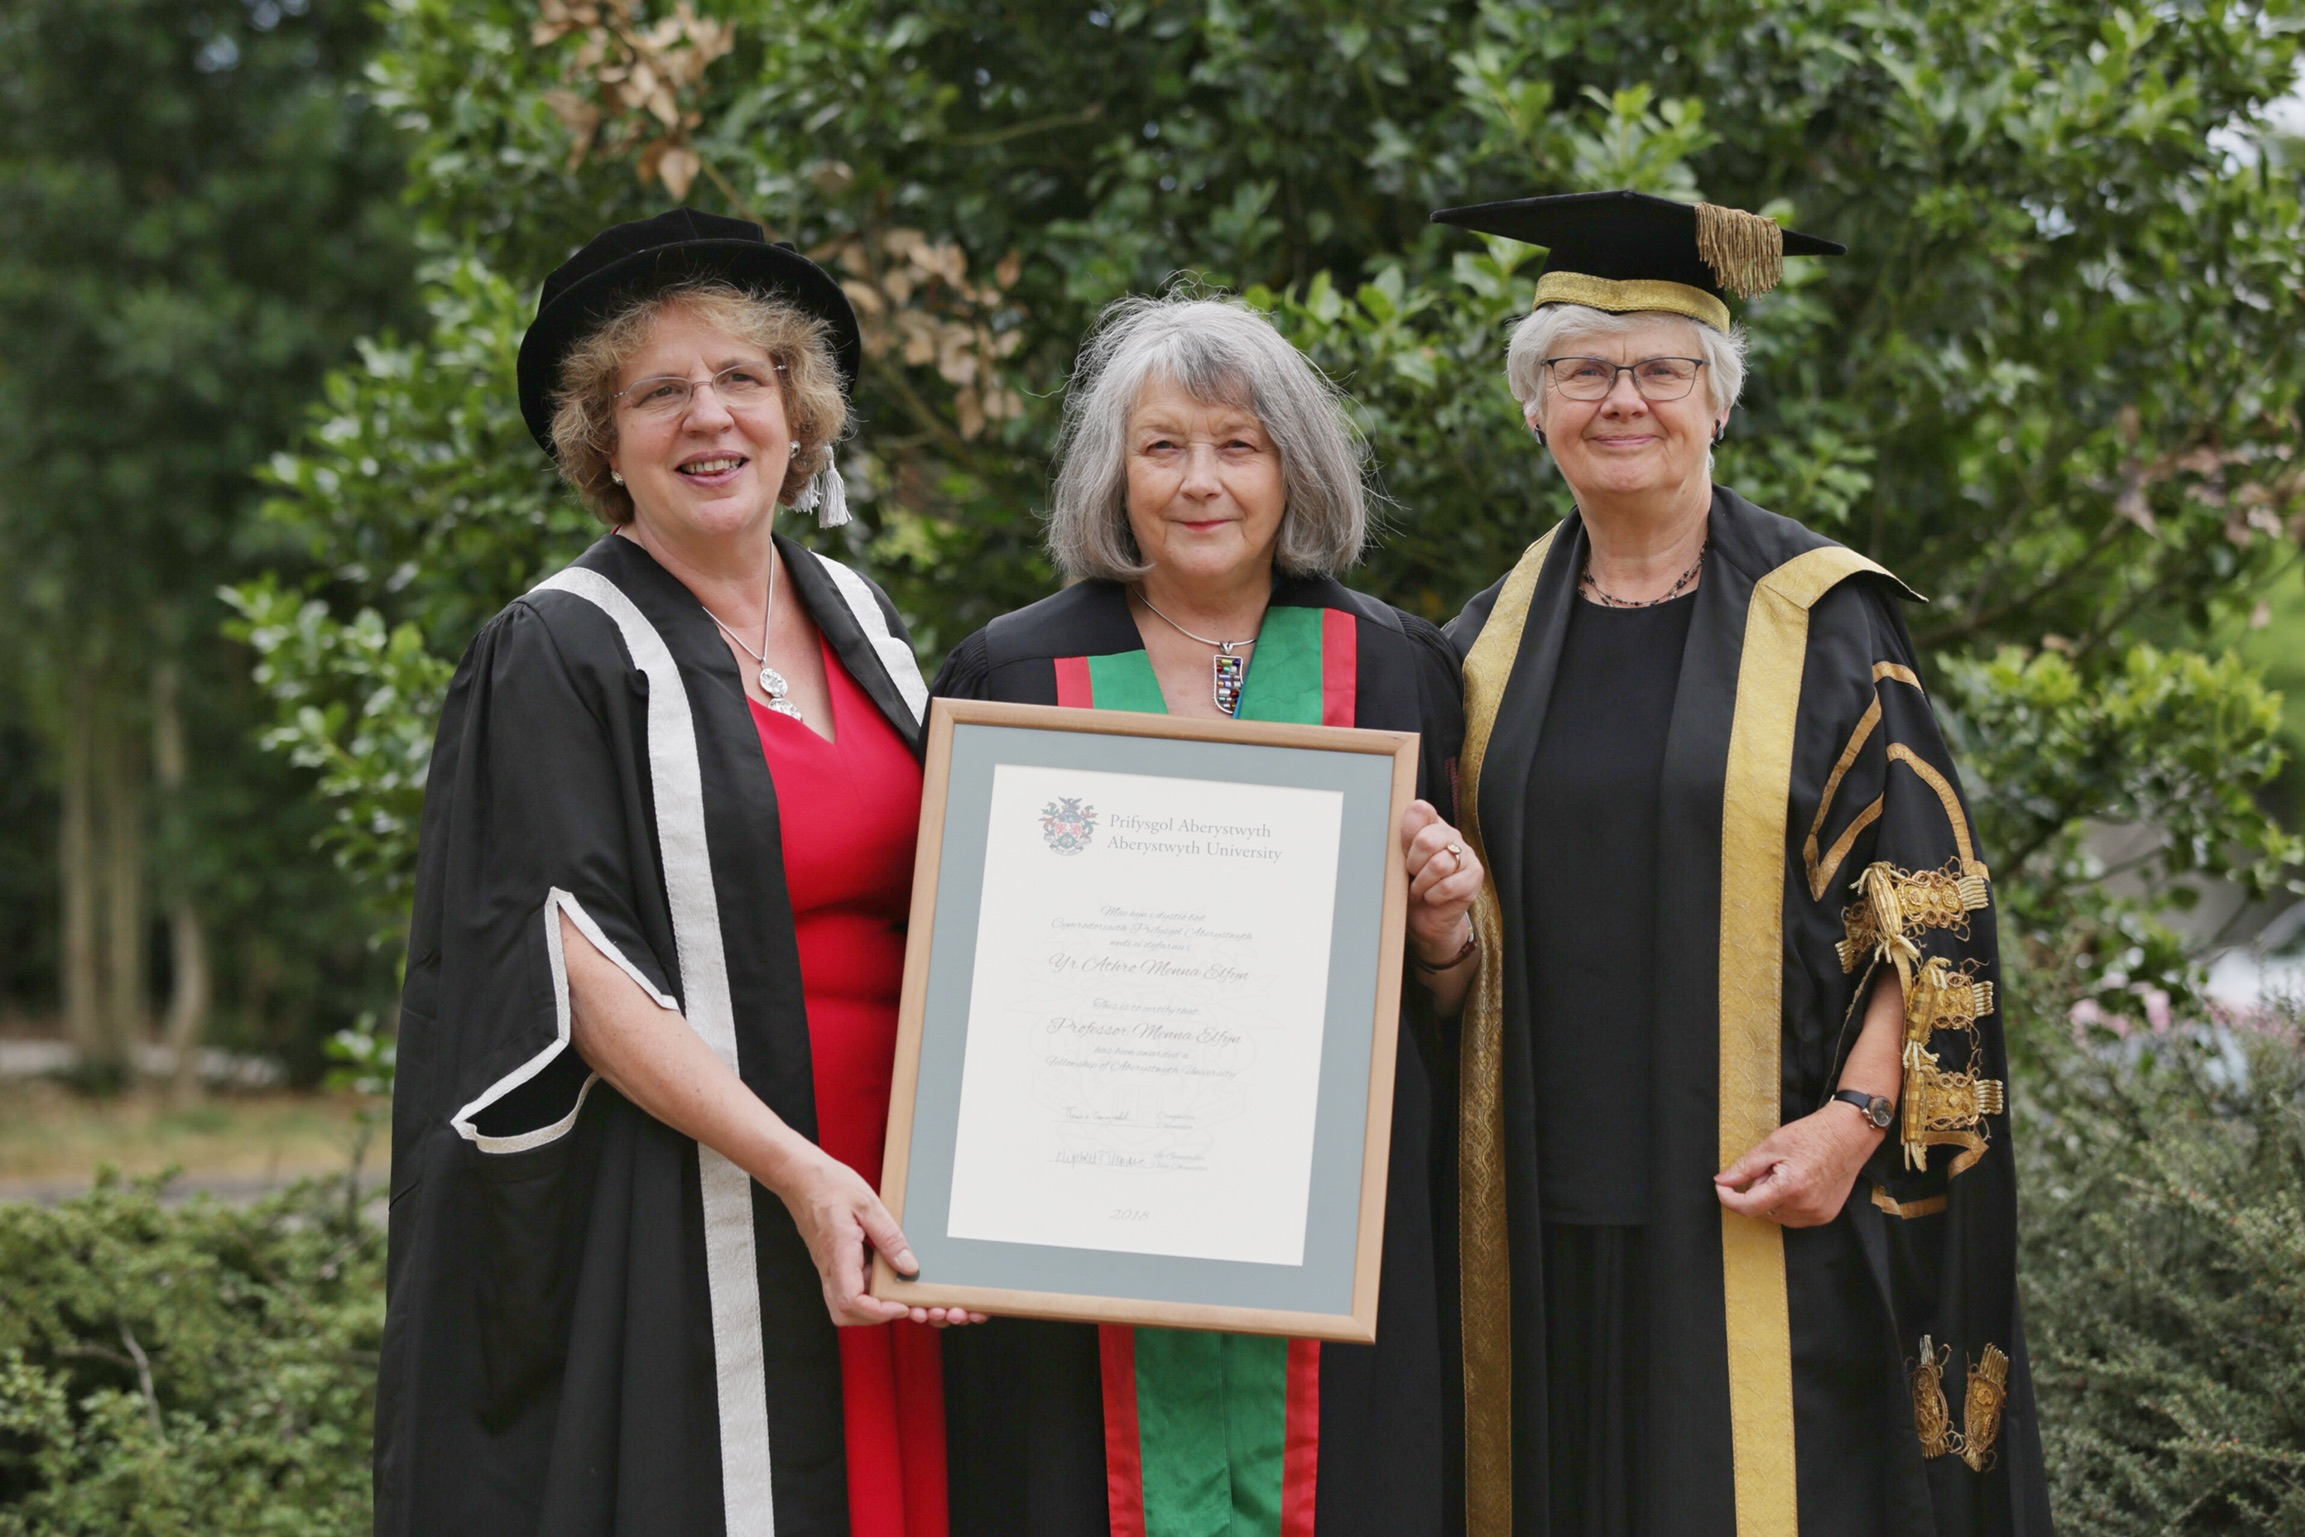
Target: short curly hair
column 799, row 344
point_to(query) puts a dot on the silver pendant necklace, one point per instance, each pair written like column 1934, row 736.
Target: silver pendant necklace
column 772, row 682
column 1228, row 669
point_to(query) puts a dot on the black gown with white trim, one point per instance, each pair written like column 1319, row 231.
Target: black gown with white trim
column 595, row 1325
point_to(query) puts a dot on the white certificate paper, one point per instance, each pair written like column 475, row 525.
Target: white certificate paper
column 1146, row 1013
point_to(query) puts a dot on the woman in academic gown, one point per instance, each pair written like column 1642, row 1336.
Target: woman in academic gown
column 1210, row 486
column 1738, row 1216
column 646, row 1041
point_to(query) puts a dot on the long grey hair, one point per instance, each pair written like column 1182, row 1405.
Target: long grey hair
column 1220, row 351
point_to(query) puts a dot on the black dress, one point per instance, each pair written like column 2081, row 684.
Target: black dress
column 1591, row 931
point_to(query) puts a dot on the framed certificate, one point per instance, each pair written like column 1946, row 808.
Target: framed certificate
column 1144, row 1065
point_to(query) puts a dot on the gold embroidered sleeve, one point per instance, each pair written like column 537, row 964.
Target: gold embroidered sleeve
column 1897, row 914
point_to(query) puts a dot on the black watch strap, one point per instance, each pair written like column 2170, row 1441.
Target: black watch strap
column 1881, row 1112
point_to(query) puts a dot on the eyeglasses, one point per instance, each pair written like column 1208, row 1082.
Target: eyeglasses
column 1596, row 378
column 740, row 387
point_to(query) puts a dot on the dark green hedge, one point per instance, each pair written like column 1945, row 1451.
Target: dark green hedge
column 2165, row 1281
column 201, row 1369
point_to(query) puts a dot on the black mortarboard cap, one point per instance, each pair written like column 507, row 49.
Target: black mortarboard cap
column 626, row 261
column 1623, row 251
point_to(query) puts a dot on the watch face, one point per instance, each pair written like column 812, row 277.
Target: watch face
column 1880, row 1112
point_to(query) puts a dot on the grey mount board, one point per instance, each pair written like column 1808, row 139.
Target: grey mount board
column 1324, row 1282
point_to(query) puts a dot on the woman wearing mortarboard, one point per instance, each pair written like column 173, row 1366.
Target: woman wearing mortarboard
column 1211, row 487
column 1737, row 1214
column 650, row 1018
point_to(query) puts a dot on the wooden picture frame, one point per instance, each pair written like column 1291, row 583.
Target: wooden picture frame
column 981, row 753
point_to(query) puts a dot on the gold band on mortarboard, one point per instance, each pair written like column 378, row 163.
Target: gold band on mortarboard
column 1620, row 296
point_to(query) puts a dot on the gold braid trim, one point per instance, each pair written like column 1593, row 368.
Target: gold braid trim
column 1974, row 875
column 1982, row 1400
column 1822, row 868
column 1755, row 845
column 1942, row 1109
column 1896, row 904
column 1745, row 250
column 1938, row 1108
column 1621, row 296
column 1485, row 1290
column 1981, row 1418
column 1932, row 1416
column 1927, row 1206
column 1945, row 999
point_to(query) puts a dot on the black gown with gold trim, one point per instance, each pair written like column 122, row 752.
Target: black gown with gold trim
column 1868, row 1376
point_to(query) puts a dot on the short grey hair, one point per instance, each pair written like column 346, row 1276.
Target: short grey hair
column 1221, row 351
column 1547, row 330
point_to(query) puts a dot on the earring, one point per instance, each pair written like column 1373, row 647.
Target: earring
column 1721, row 433
column 619, row 479
column 1540, row 432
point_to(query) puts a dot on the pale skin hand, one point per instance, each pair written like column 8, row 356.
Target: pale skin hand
column 653, row 1058
column 1801, row 1174
column 1442, row 886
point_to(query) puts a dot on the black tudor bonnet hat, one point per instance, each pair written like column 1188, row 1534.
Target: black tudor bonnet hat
column 631, row 261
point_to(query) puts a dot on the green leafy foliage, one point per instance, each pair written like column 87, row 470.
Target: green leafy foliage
column 187, row 1371
column 2173, row 742
column 2055, row 384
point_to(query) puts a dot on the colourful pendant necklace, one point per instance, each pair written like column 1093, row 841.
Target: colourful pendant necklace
column 772, row 682
column 1610, row 600
column 1228, row 669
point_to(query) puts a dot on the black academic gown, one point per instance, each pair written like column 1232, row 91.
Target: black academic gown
column 1023, row 1405
column 1864, row 1377
column 595, row 1325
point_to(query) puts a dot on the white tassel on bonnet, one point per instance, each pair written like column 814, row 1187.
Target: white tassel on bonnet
column 825, row 495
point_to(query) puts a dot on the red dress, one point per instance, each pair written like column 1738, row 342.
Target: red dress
column 851, row 813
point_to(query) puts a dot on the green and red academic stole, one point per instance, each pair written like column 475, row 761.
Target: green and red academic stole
column 1219, row 1432
column 1305, row 669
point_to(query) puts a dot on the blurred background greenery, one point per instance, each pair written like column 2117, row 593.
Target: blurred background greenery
column 266, row 267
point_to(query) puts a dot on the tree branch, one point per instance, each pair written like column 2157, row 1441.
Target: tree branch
column 918, row 409
column 144, row 1381
column 2048, row 585
column 992, row 136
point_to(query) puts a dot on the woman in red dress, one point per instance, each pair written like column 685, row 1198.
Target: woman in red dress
column 853, row 810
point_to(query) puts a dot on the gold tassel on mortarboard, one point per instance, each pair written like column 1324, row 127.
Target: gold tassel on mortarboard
column 1745, row 250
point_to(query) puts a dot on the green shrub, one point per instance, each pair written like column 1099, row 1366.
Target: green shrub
column 209, row 1370
column 2165, row 1279
column 189, row 1371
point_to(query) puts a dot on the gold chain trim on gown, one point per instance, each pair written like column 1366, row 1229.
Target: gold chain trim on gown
column 1946, row 999
column 1896, row 904
column 1983, row 1399
column 1932, row 1416
column 1988, row 1391
column 1938, row 1108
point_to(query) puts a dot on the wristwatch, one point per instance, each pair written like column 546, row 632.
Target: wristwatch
column 1881, row 1112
